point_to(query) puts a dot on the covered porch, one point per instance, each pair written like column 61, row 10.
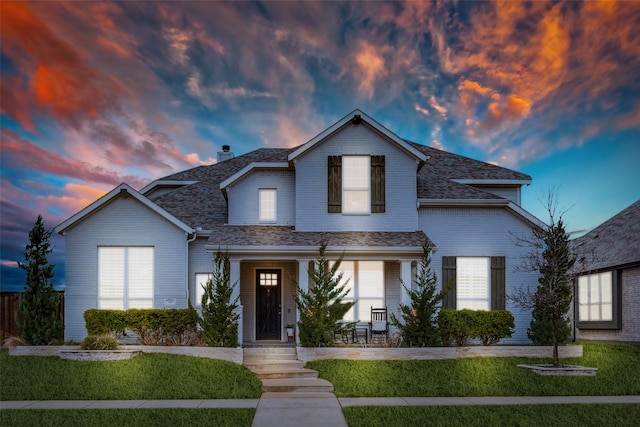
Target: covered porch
column 269, row 263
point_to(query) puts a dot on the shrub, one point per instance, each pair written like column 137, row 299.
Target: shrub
column 457, row 326
column 99, row 342
column 454, row 326
column 100, row 322
column 153, row 326
column 492, row 326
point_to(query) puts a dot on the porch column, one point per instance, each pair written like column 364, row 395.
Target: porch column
column 303, row 284
column 234, row 279
column 405, row 275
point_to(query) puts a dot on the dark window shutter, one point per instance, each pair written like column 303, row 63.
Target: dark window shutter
column 498, row 283
column 377, row 184
column 334, row 184
column 449, row 278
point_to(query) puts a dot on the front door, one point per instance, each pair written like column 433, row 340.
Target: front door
column 268, row 284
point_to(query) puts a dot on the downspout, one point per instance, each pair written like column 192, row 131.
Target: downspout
column 186, row 256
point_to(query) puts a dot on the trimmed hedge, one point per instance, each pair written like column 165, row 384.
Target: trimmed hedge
column 457, row 326
column 153, row 326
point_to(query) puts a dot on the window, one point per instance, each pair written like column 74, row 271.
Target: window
column 201, row 280
column 478, row 283
column 366, row 285
column 356, row 184
column 267, row 205
column 472, row 283
column 125, row 277
column 598, row 301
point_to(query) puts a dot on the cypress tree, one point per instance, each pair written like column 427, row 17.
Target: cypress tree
column 39, row 301
column 418, row 325
column 321, row 308
column 219, row 321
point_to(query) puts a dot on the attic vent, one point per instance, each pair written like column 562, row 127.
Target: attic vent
column 356, row 119
column 225, row 154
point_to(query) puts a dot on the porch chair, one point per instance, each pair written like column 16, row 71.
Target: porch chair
column 379, row 325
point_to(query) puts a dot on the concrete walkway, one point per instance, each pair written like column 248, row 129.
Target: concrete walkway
column 316, row 399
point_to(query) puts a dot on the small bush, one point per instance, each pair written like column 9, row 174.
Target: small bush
column 99, row 342
column 457, row 326
column 454, row 326
column 492, row 326
column 153, row 326
column 99, row 322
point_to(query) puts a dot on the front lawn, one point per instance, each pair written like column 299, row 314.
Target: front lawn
column 127, row 417
column 513, row 415
column 149, row 376
column 618, row 374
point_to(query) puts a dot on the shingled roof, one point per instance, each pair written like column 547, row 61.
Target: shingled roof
column 202, row 204
column 286, row 236
column 614, row 243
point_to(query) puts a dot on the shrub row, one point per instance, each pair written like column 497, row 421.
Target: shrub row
column 153, row 326
column 457, row 326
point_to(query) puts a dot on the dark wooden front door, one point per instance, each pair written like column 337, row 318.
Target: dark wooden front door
column 268, row 284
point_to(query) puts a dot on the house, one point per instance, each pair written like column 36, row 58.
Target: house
column 607, row 288
column 372, row 196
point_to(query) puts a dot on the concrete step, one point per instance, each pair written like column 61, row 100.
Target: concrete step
column 266, row 351
column 300, row 385
column 298, row 395
column 253, row 358
column 276, row 372
column 273, row 364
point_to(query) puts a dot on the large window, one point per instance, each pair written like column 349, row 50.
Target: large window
column 355, row 184
column 125, row 277
column 598, row 300
column 472, row 283
column 267, row 201
column 475, row 283
column 366, row 285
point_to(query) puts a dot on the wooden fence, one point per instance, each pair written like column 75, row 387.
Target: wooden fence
column 9, row 305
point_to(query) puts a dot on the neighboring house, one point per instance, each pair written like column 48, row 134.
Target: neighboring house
column 608, row 283
column 372, row 196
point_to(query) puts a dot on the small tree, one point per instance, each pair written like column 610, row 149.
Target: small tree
column 219, row 321
column 39, row 301
column 321, row 308
column 551, row 302
column 418, row 325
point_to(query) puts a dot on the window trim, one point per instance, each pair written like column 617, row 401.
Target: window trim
column 262, row 191
column 616, row 303
column 487, row 278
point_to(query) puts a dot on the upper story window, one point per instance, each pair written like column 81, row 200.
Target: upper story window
column 598, row 301
column 267, row 207
column 356, row 184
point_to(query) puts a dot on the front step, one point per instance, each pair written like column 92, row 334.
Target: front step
column 255, row 364
column 298, row 385
column 271, row 373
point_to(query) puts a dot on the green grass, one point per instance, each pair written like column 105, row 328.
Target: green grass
column 127, row 417
column 618, row 374
column 149, row 376
column 516, row 415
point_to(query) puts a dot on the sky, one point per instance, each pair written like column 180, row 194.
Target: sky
column 93, row 94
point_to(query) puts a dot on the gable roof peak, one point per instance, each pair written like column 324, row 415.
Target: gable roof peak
column 357, row 118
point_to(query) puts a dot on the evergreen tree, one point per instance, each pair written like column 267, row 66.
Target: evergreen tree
column 418, row 324
column 39, row 301
column 321, row 308
column 552, row 299
column 219, row 321
column 553, row 259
